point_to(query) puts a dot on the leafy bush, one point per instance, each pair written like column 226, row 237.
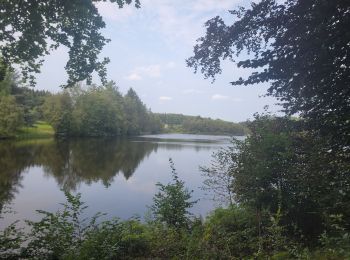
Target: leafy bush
column 171, row 203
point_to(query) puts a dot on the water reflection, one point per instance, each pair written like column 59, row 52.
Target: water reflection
column 74, row 163
column 70, row 162
column 93, row 160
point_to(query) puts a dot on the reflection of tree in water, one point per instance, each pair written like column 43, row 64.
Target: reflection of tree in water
column 15, row 158
column 69, row 162
column 75, row 161
column 92, row 160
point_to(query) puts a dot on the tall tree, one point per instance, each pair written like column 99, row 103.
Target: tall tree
column 136, row 113
column 57, row 110
column 31, row 29
column 301, row 47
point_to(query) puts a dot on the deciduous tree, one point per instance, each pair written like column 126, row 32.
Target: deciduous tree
column 31, row 29
column 300, row 47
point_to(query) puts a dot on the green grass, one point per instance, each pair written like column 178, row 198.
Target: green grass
column 40, row 129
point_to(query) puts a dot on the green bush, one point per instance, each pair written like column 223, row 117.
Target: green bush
column 171, row 203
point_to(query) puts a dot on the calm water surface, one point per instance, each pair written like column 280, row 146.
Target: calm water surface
column 115, row 176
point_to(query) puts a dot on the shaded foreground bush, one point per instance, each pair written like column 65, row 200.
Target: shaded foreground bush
column 229, row 233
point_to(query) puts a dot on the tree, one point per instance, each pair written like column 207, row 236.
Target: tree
column 98, row 112
column 31, row 29
column 171, row 203
column 282, row 169
column 139, row 119
column 11, row 116
column 301, row 47
column 57, row 110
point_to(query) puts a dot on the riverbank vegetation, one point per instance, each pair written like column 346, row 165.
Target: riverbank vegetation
column 92, row 111
column 79, row 111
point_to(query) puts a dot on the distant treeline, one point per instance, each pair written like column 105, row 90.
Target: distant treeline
column 95, row 111
column 200, row 125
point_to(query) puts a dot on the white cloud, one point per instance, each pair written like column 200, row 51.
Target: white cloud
column 219, row 97
column 176, row 20
column 151, row 71
column 133, row 77
column 165, row 98
column 192, row 91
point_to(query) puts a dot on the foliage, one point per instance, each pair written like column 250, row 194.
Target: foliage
column 281, row 169
column 99, row 111
column 138, row 118
column 11, row 239
column 6, row 81
column 18, row 105
column 200, row 125
column 30, row 101
column 171, row 203
column 57, row 235
column 336, row 240
column 11, row 116
column 57, row 110
column 300, row 47
column 229, row 233
column 173, row 242
column 66, row 234
column 31, row 29
column 116, row 240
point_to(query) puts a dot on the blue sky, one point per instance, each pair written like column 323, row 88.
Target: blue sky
column 148, row 49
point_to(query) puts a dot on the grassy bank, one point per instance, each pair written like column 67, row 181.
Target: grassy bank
column 40, row 129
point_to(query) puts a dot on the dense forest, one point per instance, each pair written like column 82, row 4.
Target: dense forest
column 79, row 111
column 99, row 111
column 199, row 125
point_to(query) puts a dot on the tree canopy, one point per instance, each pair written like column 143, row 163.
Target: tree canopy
column 300, row 47
column 31, row 29
column 99, row 111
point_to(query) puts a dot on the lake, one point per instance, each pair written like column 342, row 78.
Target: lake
column 115, row 176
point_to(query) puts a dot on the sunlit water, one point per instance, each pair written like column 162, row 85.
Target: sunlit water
column 115, row 176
